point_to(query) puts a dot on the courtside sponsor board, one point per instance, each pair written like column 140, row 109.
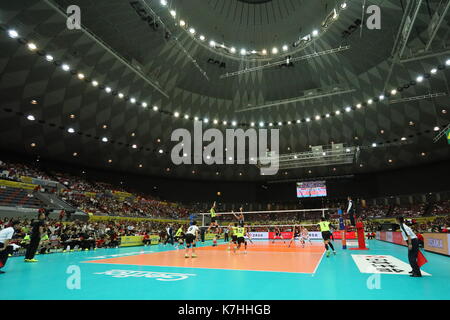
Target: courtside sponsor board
column 437, row 242
column 259, row 235
column 382, row 264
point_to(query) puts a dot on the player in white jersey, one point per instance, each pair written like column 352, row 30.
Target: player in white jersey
column 191, row 237
column 304, row 236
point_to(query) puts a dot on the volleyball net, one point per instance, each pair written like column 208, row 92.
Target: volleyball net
column 267, row 220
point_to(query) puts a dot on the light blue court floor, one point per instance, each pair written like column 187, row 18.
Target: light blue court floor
column 149, row 273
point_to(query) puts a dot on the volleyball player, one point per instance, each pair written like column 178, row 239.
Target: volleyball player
column 179, row 237
column 240, row 217
column 214, row 223
column 304, row 236
column 278, row 235
column 295, row 235
column 233, row 235
column 240, row 234
column 191, row 238
column 326, row 235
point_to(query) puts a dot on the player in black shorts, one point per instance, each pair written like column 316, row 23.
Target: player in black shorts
column 278, row 235
column 296, row 235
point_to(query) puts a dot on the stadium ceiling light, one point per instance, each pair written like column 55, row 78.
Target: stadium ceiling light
column 271, row 124
column 182, row 23
column 338, row 112
column 186, row 116
column 348, row 109
column 215, row 121
column 393, row 92
column 108, row 89
column 344, row 5
column 264, row 51
column 419, row 79
column 206, row 120
column 133, row 100
column 65, row 67
column 436, row 128
column 71, row 130
column 280, row 123
column 299, row 121
column 31, row 117
column 243, row 52
column 381, row 97
column 120, row 95
column 234, row 123
column 104, row 139
column 285, row 48
column 32, row 46
column 161, row 151
column 447, row 62
column 433, row 71
column 196, row 118
column 94, row 83
column 173, row 13
column 176, row 114
column 318, row 117
column 164, row 3
column 359, row 105
column 374, row 144
column 191, row 30
column 327, row 115
column 233, row 50
column 315, row 33
column 155, row 108
column 202, row 38
column 80, row 76
column 49, row 58
column 144, row 104
column 212, row 43
column 261, row 124
column 224, row 123
column 274, row 50
column 308, row 119
column 370, row 101
column 13, row 33
column 134, row 146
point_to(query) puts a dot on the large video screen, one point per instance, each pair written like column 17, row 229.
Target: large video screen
column 311, row 189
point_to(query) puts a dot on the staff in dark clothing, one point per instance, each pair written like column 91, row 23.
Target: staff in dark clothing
column 413, row 247
column 351, row 211
column 36, row 232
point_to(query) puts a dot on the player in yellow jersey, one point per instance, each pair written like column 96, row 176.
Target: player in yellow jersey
column 326, row 235
column 240, row 234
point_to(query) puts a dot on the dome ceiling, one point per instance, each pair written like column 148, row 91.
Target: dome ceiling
column 121, row 50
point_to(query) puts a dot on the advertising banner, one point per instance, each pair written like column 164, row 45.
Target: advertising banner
column 284, row 235
column 437, row 242
column 131, row 241
column 259, row 235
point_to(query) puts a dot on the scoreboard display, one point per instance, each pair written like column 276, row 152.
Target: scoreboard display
column 311, row 189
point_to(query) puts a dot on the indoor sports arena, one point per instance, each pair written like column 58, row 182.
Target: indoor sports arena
column 224, row 150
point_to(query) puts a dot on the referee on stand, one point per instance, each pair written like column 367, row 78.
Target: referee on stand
column 413, row 246
column 36, row 232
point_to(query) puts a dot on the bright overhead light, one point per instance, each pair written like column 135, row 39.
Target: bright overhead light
column 285, row 48
column 394, row 92
column 403, row 139
column 315, row 33
column 94, row 83
column 280, row 123
column 327, row 115
column 243, row 52
column 224, row 123
column 344, row 5
column 134, row 146
column 374, row 144
column 206, row 120
column 347, row 150
column 13, row 33
column 381, row 97
column 173, row 13
column 447, row 62
column 155, row 108
column 65, row 67
column 308, row 119
column 186, row 116
column 274, row 50
column 104, row 139
column 252, row 124
column 359, row 105
column 133, row 100
column 234, row 123
column 317, row 117
column 161, row 151
column 271, row 124
column 289, row 122
column 120, row 95
column 212, row 43
column 108, row 89
column 182, row 23
column 31, row 117
column 144, row 104
column 419, row 79
column 261, row 124
column 436, row 128
column 433, row 71
column 192, row 30
column 80, row 76
column 264, row 51
column 298, row 121
column 202, row 38
column 164, row 2
column 348, row 109
column 176, row 114
column 338, row 112
column 215, row 121
column 32, row 46
column 71, row 130
column 196, row 118
column 370, row 101
column 49, row 57
column 233, row 50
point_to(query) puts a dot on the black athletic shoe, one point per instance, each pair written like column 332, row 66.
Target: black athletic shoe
column 416, row 275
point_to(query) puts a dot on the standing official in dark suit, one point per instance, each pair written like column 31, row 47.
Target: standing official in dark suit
column 37, row 230
column 351, row 211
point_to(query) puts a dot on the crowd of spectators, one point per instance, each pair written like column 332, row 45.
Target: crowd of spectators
column 82, row 235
